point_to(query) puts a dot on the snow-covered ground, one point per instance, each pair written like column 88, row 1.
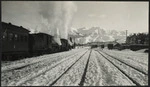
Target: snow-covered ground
column 136, row 59
column 68, row 69
column 111, row 76
column 27, row 61
column 136, row 63
column 74, row 75
column 52, row 73
column 9, row 77
column 94, row 73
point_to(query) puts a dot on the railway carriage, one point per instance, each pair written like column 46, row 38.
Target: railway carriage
column 14, row 41
column 102, row 46
column 40, row 43
column 17, row 42
column 110, row 46
column 94, row 46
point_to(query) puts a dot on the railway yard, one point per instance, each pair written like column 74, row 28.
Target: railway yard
column 78, row 67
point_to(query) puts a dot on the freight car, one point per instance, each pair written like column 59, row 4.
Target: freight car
column 17, row 42
column 94, row 46
column 110, row 46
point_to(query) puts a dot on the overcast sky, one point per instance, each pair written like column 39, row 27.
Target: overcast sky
column 131, row 16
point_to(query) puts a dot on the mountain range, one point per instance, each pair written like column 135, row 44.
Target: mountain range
column 96, row 34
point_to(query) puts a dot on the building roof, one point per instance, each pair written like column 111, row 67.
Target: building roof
column 12, row 27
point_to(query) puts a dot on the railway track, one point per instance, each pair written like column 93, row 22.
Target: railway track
column 134, row 67
column 77, row 66
column 94, row 74
column 44, row 70
column 129, row 58
column 27, row 69
column 83, row 76
column 20, row 66
column 85, row 71
column 118, row 65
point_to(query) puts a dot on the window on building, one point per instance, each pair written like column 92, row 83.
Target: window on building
column 16, row 37
column 4, row 36
column 10, row 36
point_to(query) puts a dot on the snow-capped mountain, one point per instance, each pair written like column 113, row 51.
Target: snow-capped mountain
column 96, row 34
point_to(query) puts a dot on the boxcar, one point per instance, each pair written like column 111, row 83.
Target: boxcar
column 14, row 41
column 110, row 46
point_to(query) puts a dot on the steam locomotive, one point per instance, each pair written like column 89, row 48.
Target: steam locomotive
column 17, row 43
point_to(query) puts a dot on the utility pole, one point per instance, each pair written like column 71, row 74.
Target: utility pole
column 126, row 35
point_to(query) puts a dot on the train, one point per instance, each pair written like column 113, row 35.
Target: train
column 17, row 43
column 133, row 47
column 118, row 46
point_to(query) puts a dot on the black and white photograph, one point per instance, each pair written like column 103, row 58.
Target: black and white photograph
column 74, row 43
